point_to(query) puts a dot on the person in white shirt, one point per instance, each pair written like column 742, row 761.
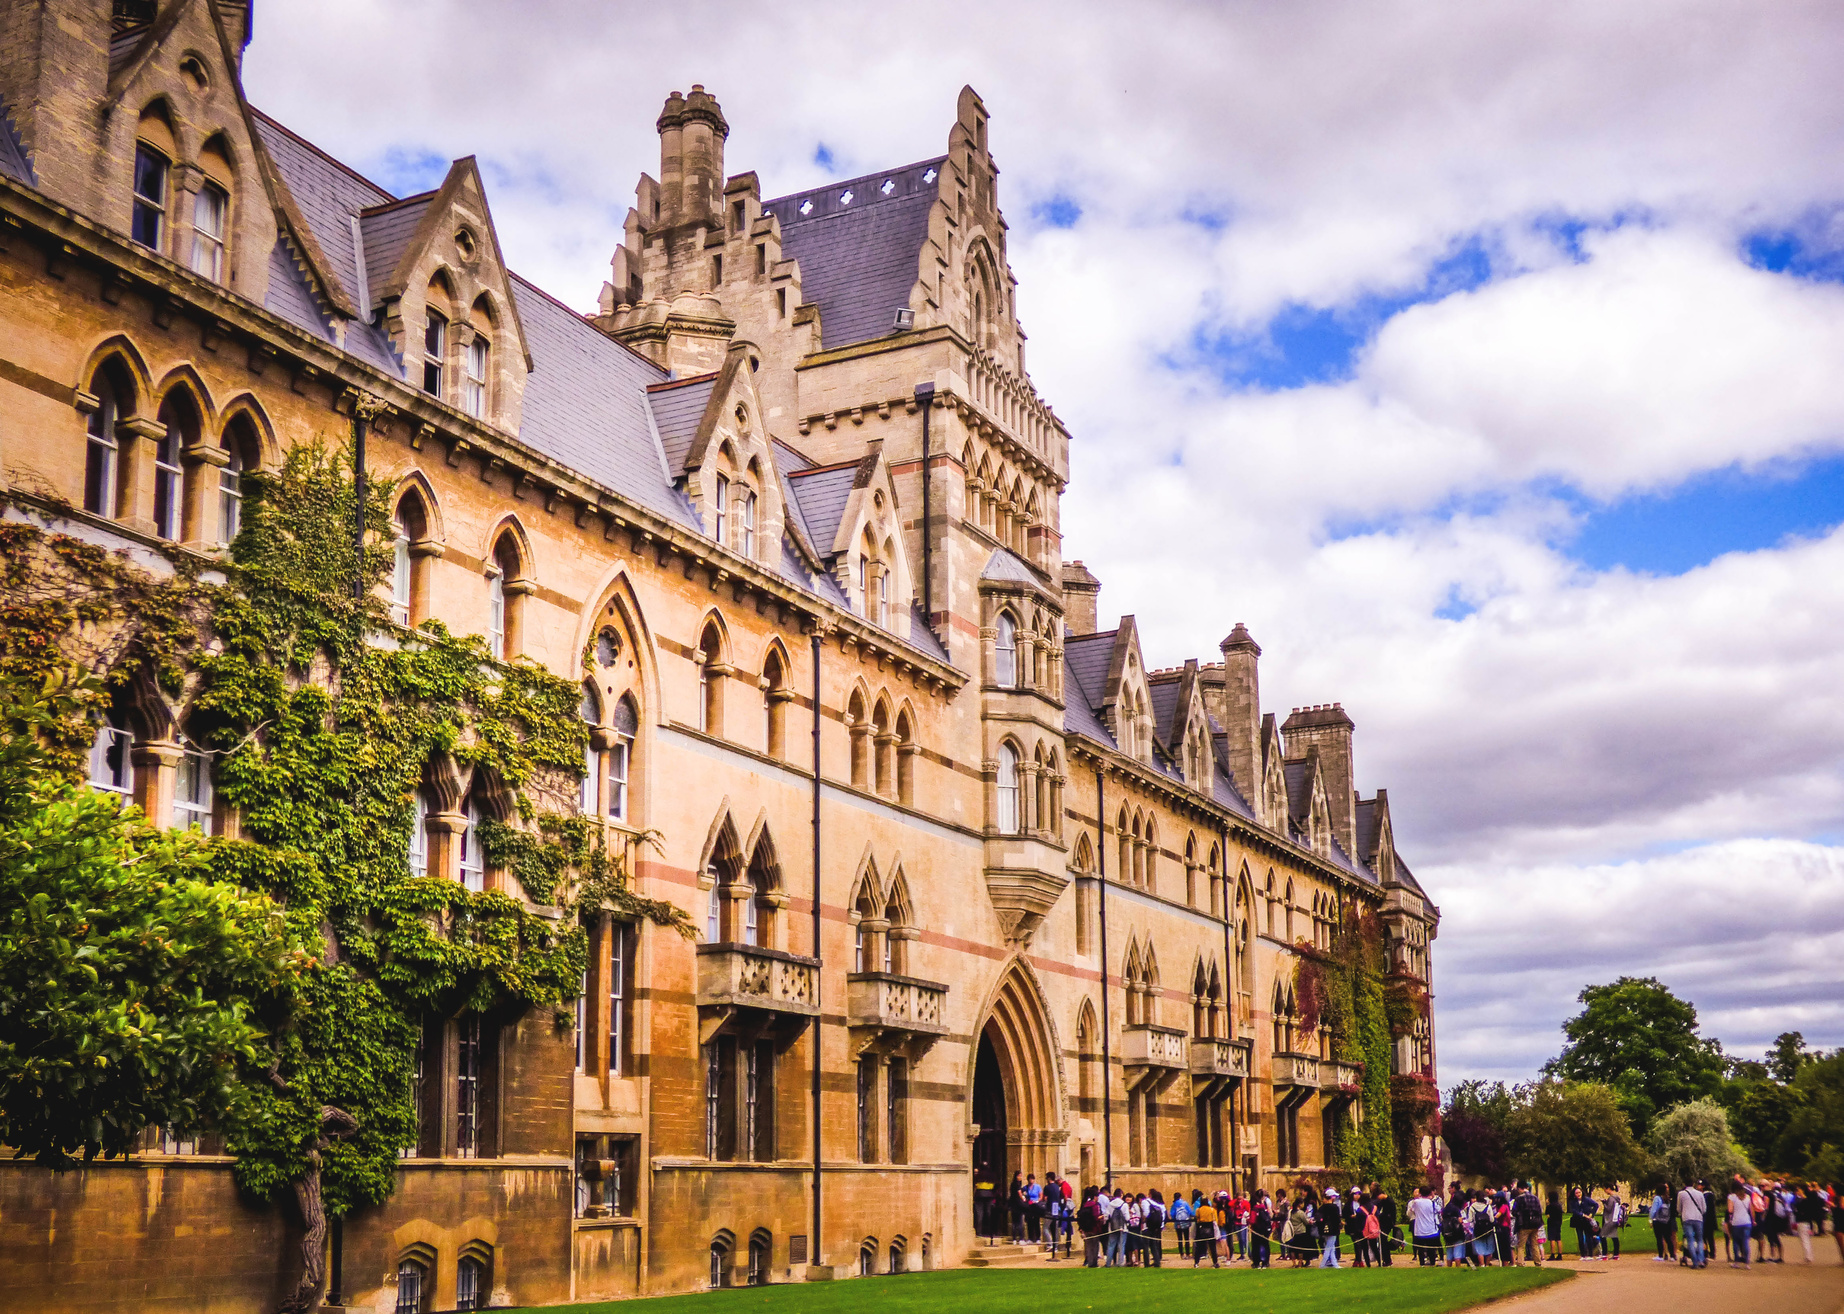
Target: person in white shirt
column 1425, row 1226
column 1741, row 1223
column 1690, row 1215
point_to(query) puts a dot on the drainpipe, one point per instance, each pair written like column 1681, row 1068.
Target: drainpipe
column 925, row 398
column 1107, row 1060
column 813, row 1251
column 1232, row 1146
column 361, row 416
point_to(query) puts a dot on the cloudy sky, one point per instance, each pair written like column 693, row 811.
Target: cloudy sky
column 1486, row 360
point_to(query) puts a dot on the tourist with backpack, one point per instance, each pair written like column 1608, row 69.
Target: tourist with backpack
column 1527, row 1222
column 1203, row 1229
column 1692, row 1213
column 1181, row 1216
column 1261, row 1230
column 1091, row 1221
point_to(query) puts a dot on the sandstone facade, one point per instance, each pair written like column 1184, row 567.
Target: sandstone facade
column 792, row 486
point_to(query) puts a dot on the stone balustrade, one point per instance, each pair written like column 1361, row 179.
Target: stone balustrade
column 749, row 976
column 1296, row 1070
column 896, row 1003
column 1219, row 1057
column 1152, row 1047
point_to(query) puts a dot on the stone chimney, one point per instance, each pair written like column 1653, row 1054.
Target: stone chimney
column 1239, row 712
column 1081, row 598
column 691, row 160
column 1324, row 726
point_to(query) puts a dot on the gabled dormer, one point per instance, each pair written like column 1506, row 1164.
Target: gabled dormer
column 1270, row 802
column 1183, row 720
column 718, row 453
column 1126, row 699
column 133, row 115
column 435, row 279
column 1308, row 808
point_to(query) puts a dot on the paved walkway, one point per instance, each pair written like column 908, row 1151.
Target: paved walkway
column 1639, row 1285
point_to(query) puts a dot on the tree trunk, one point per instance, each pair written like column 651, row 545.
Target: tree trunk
column 335, row 1124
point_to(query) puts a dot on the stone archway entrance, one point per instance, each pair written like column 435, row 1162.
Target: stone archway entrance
column 1016, row 1100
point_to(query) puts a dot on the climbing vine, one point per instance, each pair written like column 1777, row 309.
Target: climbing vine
column 1342, row 991
column 323, row 722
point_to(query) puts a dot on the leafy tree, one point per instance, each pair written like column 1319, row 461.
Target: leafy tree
column 1787, row 1056
column 1692, row 1141
column 1572, row 1133
column 1760, row 1110
column 1812, row 1141
column 1640, row 1039
column 130, row 980
column 1473, row 1124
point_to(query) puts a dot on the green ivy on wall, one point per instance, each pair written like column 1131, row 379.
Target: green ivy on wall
column 321, row 720
column 1342, row 990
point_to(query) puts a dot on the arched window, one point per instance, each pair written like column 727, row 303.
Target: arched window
column 210, row 210
column 1149, row 873
column 589, row 711
column 471, row 1286
column 1008, row 790
column 473, row 863
column 621, row 757
column 192, row 797
column 419, row 837
column 723, row 510
column 759, row 1261
column 148, row 224
column 1289, row 910
column 746, row 523
column 775, row 703
column 720, row 1265
column 400, row 573
column 412, row 1278
column 505, row 590
column 474, row 384
column 881, row 741
column 241, row 454
column 896, row 1257
column 409, row 584
column 101, row 491
column 1005, row 653
column 1271, row 905
column 435, row 351
column 905, row 759
column 112, row 752
column 867, row 1258
column 178, row 427
column 711, row 672
column 861, row 739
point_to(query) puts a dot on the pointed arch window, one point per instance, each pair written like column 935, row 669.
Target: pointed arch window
column 474, row 383
column 1005, row 652
column 723, row 510
column 400, row 573
column 621, row 757
column 496, row 613
column 506, row 588
column 1008, row 790
column 711, row 672
column 239, row 456
column 192, row 799
column 473, row 862
column 111, row 754
column 746, row 523
column 210, row 208
column 99, row 476
column 169, row 476
column 419, row 837
column 411, row 1277
column 589, row 711
column 148, row 224
column 774, row 703
column 435, row 351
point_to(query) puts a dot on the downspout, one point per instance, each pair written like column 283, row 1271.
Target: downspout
column 925, row 398
column 1107, row 1059
column 1232, row 1145
column 814, row 1251
column 361, row 416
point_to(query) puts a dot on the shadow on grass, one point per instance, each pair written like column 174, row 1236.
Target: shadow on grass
column 1146, row 1291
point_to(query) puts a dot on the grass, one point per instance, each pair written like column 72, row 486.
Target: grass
column 1394, row 1290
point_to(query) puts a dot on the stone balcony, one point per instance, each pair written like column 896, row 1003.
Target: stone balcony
column 778, row 990
column 1298, row 1070
column 1219, row 1058
column 896, row 1013
column 1340, row 1077
column 1151, row 1054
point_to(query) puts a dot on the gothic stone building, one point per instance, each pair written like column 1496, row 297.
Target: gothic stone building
column 791, row 472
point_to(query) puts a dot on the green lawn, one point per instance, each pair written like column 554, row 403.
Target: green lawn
column 1145, row 1291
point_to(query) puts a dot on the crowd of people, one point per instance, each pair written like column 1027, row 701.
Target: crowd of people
column 1364, row 1227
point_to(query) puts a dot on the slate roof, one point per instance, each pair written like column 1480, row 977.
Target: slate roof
column 1299, row 788
column 677, row 410
column 1002, row 564
column 387, row 231
column 585, row 405
column 14, row 162
column 1366, row 828
column 289, row 296
column 1164, row 694
column 859, row 258
column 821, row 493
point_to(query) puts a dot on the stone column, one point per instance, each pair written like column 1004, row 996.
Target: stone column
column 444, row 830
column 199, row 527
column 156, row 775
column 135, row 438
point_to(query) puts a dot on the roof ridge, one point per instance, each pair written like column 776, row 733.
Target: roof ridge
column 368, row 211
column 847, row 182
column 826, row 469
column 670, row 384
column 333, row 160
column 578, row 315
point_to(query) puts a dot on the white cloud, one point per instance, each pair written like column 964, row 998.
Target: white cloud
column 1234, row 159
